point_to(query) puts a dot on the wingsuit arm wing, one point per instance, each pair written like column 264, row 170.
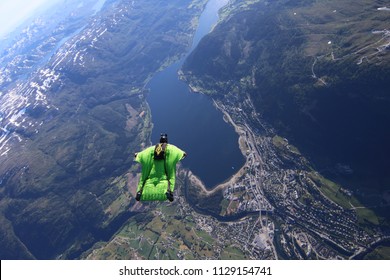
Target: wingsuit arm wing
column 145, row 159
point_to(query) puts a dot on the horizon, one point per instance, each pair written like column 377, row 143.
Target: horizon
column 13, row 13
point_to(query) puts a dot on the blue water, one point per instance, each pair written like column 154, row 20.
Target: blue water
column 191, row 121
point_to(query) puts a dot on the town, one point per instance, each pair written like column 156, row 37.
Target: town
column 290, row 210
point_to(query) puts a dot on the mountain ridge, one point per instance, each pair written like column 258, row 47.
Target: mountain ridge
column 347, row 65
column 69, row 126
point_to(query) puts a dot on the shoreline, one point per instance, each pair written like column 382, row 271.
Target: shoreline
column 235, row 177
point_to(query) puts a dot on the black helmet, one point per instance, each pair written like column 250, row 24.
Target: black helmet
column 163, row 138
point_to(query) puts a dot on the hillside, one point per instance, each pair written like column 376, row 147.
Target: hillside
column 288, row 76
column 73, row 113
column 317, row 72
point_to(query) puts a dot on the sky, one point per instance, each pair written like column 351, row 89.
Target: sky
column 13, row 12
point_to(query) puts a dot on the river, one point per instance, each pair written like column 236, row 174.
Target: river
column 191, row 120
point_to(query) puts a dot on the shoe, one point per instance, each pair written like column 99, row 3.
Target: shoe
column 169, row 196
column 138, row 196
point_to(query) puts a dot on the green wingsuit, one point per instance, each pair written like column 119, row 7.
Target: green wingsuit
column 154, row 174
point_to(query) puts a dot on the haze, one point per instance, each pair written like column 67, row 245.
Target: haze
column 14, row 12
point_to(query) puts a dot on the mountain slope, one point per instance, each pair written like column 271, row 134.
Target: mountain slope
column 317, row 72
column 73, row 112
column 269, row 66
